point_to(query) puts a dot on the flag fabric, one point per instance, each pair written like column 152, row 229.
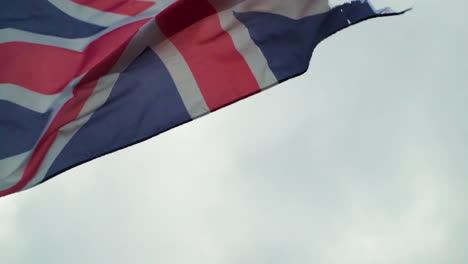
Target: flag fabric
column 82, row 78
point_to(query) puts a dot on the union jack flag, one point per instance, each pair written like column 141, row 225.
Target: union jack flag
column 83, row 78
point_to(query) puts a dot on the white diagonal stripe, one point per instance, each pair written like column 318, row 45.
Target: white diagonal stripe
column 103, row 18
column 12, row 35
column 87, row 14
column 31, row 100
column 181, row 74
column 247, row 47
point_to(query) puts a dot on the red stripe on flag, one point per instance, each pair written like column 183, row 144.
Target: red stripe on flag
column 221, row 72
column 68, row 113
column 123, row 7
column 47, row 70
column 41, row 68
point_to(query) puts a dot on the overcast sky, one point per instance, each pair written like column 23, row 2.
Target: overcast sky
column 364, row 159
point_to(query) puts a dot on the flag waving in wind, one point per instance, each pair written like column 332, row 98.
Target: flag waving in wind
column 83, row 78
